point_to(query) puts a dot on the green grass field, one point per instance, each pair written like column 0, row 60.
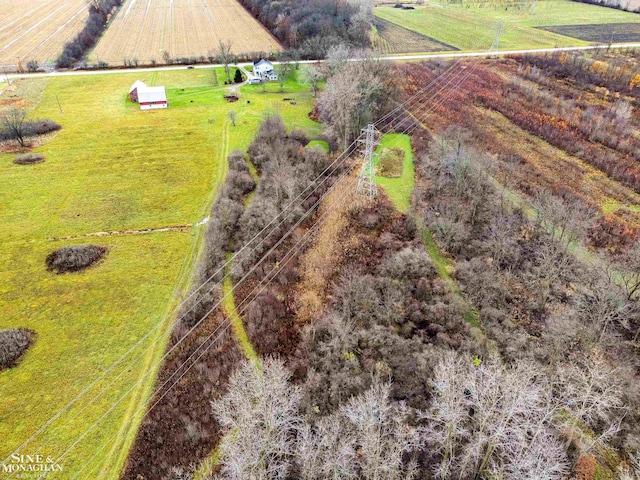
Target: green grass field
column 471, row 27
column 399, row 189
column 112, row 168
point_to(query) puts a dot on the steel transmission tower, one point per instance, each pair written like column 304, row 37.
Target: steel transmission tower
column 367, row 180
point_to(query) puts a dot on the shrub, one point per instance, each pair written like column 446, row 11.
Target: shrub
column 237, row 78
column 30, row 128
column 14, row 343
column 33, row 66
column 237, row 161
column 74, row 258
column 28, row 159
column 408, row 264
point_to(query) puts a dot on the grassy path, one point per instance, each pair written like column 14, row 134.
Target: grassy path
column 399, row 191
column 229, row 305
column 131, row 420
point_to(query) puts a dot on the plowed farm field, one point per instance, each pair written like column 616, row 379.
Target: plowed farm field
column 38, row 29
column 146, row 29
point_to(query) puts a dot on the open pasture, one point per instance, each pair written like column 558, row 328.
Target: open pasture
column 38, row 29
column 150, row 30
column 474, row 26
column 138, row 183
column 392, row 38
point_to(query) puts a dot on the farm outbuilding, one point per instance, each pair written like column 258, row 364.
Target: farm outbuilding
column 148, row 97
column 133, row 91
column 152, row 97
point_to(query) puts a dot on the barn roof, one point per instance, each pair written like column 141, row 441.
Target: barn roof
column 137, row 84
column 152, row 94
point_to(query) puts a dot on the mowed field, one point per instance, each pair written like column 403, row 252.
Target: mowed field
column 148, row 180
column 391, row 38
column 145, row 29
column 38, row 29
column 474, row 28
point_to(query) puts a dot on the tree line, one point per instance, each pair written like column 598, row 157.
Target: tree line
column 74, row 50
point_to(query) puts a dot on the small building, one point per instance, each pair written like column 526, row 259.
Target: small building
column 133, row 91
column 152, row 97
column 148, row 97
column 264, row 69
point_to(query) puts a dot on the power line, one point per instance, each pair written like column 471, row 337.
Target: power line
column 280, row 241
column 334, row 166
column 291, row 253
column 344, row 156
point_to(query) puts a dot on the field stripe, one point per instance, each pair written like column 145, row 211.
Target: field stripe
column 147, row 10
column 26, row 32
column 133, row 2
column 26, row 14
column 58, row 30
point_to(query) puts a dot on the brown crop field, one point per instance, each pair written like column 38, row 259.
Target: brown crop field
column 38, row 29
column 146, row 29
column 609, row 33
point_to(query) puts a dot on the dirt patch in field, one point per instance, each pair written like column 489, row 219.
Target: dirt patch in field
column 390, row 162
column 603, row 33
column 28, row 159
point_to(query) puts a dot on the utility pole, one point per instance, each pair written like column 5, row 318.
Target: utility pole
column 367, row 180
column 59, row 106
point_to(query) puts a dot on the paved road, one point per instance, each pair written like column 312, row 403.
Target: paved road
column 394, row 58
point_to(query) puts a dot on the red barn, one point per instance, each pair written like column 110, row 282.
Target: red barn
column 135, row 88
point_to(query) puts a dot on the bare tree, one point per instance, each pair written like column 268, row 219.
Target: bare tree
column 553, row 263
column 313, row 75
column 327, row 450
column 232, row 115
column 449, row 413
column 265, row 438
column 381, row 430
column 337, row 104
column 591, row 393
column 604, row 306
column 259, row 415
column 566, row 221
column 630, row 272
column 225, row 57
column 492, row 421
column 14, row 122
column 284, row 69
column 337, row 57
column 352, row 95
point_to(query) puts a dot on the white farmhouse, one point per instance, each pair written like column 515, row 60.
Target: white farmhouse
column 264, row 69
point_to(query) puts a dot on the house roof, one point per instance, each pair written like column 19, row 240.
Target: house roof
column 137, row 84
column 262, row 61
column 152, row 94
